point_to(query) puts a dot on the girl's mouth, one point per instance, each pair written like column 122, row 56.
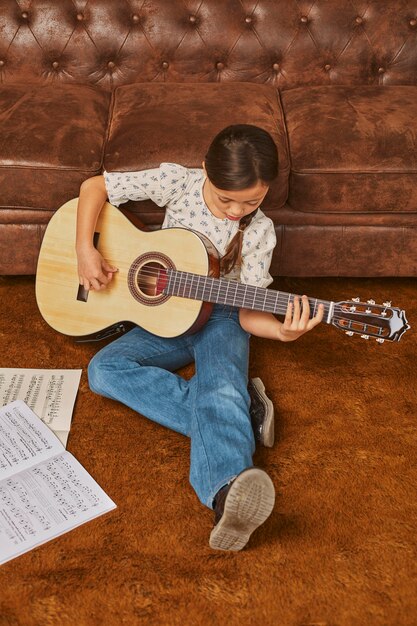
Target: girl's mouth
column 234, row 219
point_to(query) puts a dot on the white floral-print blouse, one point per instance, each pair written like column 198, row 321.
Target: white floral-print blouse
column 180, row 190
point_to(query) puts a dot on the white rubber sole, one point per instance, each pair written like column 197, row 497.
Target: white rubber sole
column 268, row 430
column 248, row 504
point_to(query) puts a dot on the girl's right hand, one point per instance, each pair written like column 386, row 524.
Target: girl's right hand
column 93, row 270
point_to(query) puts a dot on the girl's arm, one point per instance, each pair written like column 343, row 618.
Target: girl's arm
column 295, row 324
column 93, row 270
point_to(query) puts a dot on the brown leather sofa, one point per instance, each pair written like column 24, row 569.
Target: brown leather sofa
column 123, row 84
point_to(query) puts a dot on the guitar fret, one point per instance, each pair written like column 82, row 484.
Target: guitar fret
column 254, row 296
column 208, row 281
column 179, row 285
column 236, row 293
column 202, row 280
column 211, row 289
column 227, row 290
column 172, row 282
column 233, row 293
column 264, row 302
column 218, row 292
column 194, row 283
column 191, row 284
column 244, row 290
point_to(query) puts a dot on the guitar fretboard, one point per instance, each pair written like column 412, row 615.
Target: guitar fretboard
column 233, row 293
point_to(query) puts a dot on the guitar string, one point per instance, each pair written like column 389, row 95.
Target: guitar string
column 224, row 284
column 278, row 308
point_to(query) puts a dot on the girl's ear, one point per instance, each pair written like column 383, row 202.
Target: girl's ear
column 204, row 167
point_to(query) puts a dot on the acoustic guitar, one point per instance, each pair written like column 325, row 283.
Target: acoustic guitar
column 167, row 283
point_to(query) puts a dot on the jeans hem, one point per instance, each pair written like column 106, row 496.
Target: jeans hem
column 223, row 483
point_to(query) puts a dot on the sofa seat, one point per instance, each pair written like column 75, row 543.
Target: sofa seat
column 52, row 138
column 145, row 116
column 352, row 149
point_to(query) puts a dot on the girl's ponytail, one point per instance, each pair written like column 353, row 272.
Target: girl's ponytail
column 233, row 254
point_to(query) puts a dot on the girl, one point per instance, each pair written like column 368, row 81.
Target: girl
column 221, row 201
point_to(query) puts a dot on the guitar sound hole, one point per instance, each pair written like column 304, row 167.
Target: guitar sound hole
column 151, row 278
column 148, row 277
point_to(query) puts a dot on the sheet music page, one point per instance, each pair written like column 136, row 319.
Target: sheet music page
column 24, row 439
column 49, row 393
column 46, row 501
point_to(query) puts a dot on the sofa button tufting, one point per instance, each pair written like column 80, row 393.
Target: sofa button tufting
column 25, row 15
column 135, row 18
column 359, row 20
column 327, row 67
column 192, row 19
column 55, row 65
column 275, row 67
column 80, row 17
column 248, row 19
column 219, row 65
column 165, row 65
column 111, row 65
column 381, row 70
column 304, row 19
column 413, row 21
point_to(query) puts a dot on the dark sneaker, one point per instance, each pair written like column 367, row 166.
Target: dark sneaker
column 240, row 507
column 261, row 413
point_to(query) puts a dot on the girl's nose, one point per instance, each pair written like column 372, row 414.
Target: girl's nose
column 236, row 211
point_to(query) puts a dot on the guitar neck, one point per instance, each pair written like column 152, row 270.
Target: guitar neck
column 233, row 293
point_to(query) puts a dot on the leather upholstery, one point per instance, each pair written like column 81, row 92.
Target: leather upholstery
column 50, row 140
column 145, row 119
column 335, row 81
column 280, row 42
column 353, row 149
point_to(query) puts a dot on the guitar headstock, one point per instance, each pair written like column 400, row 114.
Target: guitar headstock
column 370, row 320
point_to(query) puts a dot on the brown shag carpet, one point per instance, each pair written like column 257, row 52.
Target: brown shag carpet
column 339, row 548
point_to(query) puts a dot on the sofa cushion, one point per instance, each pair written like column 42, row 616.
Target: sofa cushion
column 51, row 139
column 352, row 148
column 153, row 123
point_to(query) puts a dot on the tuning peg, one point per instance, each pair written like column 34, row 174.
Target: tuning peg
column 355, row 299
column 371, row 301
column 387, row 303
column 380, row 340
column 368, row 311
column 365, row 336
column 350, row 333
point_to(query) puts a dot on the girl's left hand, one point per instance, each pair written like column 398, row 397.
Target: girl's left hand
column 297, row 319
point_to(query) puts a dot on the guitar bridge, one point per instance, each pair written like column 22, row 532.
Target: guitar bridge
column 82, row 294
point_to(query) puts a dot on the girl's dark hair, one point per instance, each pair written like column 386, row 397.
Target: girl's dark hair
column 238, row 158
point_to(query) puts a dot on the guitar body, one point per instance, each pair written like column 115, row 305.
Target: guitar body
column 133, row 294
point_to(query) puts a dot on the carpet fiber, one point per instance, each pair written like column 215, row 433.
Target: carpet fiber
column 340, row 546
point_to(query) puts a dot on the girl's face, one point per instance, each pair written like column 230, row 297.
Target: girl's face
column 233, row 205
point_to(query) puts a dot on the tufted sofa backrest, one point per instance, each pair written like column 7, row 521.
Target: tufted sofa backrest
column 286, row 43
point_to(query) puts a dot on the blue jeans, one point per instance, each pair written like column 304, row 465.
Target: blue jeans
column 212, row 408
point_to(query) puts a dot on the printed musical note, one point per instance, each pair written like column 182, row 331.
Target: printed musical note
column 47, row 493
column 49, row 393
